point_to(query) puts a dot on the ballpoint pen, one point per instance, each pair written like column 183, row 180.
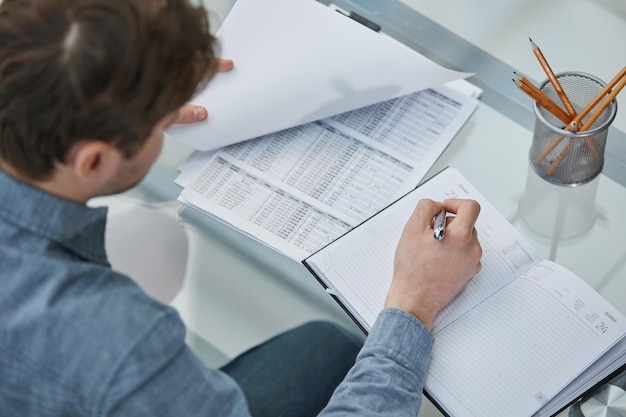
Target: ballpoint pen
column 439, row 227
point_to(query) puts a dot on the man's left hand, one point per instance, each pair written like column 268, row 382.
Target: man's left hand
column 192, row 113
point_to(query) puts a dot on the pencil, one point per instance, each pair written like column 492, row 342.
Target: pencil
column 553, row 79
column 577, row 120
column 589, row 123
column 600, row 95
column 557, row 161
column 551, row 106
column 540, row 97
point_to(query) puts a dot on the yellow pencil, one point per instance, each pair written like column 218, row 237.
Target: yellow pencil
column 589, row 123
column 575, row 123
column 600, row 95
column 540, row 97
column 555, row 82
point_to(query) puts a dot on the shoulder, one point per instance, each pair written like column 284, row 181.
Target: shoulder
column 77, row 328
column 111, row 319
column 121, row 317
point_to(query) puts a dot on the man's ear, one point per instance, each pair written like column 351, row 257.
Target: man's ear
column 94, row 161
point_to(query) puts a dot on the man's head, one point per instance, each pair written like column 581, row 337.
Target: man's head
column 109, row 71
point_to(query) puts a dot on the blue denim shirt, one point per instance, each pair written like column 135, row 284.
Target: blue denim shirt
column 79, row 339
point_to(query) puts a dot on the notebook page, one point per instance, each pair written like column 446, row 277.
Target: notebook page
column 601, row 369
column 517, row 349
column 359, row 266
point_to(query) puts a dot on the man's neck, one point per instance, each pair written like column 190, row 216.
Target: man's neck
column 56, row 185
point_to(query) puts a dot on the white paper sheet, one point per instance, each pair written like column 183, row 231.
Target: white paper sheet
column 297, row 61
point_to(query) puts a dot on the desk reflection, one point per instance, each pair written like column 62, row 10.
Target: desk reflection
column 557, row 214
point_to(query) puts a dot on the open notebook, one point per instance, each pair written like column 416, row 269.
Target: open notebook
column 525, row 336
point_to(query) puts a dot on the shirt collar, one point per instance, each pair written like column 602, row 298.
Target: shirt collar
column 77, row 227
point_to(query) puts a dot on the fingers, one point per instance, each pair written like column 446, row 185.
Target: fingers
column 429, row 273
column 462, row 227
column 466, row 211
column 224, row 65
column 423, row 214
column 469, row 209
column 191, row 113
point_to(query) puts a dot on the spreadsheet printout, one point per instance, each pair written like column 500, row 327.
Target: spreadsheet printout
column 298, row 189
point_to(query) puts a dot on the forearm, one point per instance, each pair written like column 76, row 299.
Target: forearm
column 388, row 376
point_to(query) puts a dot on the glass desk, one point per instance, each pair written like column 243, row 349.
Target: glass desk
column 238, row 292
column 491, row 39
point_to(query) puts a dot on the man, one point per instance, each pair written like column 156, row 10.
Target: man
column 86, row 89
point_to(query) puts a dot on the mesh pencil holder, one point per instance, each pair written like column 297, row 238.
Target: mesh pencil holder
column 570, row 158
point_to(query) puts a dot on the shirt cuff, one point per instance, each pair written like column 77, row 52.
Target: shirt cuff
column 402, row 337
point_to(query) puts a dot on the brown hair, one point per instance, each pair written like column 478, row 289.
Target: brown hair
column 94, row 69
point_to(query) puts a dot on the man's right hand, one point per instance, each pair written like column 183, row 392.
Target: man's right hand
column 429, row 273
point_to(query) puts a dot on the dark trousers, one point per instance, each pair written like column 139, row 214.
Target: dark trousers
column 295, row 373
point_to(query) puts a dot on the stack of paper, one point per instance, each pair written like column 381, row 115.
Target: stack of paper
column 344, row 121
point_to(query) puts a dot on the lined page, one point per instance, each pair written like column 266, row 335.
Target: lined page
column 518, row 334
column 359, row 266
column 514, row 351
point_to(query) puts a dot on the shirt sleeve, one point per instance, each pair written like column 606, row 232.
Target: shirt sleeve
column 388, row 376
column 162, row 377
